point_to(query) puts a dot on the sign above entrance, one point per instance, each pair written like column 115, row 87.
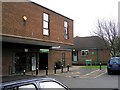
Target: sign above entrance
column 57, row 47
column 44, row 50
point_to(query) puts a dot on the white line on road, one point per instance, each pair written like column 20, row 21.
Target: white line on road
column 83, row 76
column 99, row 75
column 91, row 72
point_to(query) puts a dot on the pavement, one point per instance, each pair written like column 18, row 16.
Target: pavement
column 74, row 72
column 52, row 72
column 83, row 73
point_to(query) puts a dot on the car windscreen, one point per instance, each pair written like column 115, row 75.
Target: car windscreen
column 115, row 61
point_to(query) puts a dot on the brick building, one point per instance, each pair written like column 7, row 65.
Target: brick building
column 33, row 37
column 91, row 48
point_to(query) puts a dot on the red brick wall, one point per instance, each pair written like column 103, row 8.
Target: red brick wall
column 103, row 56
column 33, row 27
column 56, row 55
column 14, row 26
column 7, row 57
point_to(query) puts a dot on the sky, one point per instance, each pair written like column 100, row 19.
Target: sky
column 85, row 13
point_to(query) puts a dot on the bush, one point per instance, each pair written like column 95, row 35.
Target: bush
column 58, row 64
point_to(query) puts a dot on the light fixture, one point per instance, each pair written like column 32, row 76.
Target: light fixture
column 56, row 47
column 26, row 50
column 24, row 18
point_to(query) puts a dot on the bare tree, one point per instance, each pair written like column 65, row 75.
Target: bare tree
column 119, row 38
column 108, row 31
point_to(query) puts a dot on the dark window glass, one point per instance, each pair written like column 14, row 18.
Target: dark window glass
column 84, row 52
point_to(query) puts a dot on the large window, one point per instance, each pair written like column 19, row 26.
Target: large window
column 66, row 33
column 46, row 24
column 84, row 52
column 51, row 86
column 24, row 87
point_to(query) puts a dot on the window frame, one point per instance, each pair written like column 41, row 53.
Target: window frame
column 66, row 30
column 86, row 52
column 46, row 24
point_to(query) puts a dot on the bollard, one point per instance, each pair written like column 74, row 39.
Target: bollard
column 36, row 71
column 24, row 72
column 100, row 66
column 62, row 68
column 68, row 67
column 55, row 69
column 46, row 70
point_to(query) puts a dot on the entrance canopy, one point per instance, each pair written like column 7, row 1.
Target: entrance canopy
column 33, row 41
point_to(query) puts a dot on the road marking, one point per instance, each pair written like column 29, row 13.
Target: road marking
column 99, row 75
column 91, row 72
column 88, row 75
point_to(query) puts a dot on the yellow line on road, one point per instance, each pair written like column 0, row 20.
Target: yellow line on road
column 99, row 75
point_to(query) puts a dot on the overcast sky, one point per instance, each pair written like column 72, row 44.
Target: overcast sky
column 84, row 12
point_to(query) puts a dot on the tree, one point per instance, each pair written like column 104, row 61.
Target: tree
column 118, row 41
column 108, row 31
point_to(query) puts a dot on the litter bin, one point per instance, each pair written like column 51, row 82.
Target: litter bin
column 88, row 62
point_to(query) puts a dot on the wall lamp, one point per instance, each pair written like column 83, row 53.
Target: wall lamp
column 24, row 18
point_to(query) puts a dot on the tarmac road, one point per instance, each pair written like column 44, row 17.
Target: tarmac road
column 89, row 78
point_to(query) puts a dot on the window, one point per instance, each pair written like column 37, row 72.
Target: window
column 50, row 85
column 115, row 61
column 66, row 33
column 84, row 52
column 30, row 87
column 75, row 55
column 24, row 87
column 46, row 24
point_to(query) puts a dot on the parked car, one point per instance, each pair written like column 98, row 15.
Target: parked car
column 31, row 83
column 113, row 65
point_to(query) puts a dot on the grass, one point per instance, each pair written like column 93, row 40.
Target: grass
column 97, row 67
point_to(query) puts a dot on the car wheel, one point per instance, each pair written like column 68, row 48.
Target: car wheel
column 109, row 72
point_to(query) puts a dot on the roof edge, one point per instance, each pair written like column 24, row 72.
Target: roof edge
column 50, row 10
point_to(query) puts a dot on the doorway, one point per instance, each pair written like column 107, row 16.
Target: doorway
column 43, row 61
column 63, row 59
column 24, row 61
column 75, row 56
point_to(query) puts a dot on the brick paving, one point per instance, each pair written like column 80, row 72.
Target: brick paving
column 74, row 71
column 52, row 72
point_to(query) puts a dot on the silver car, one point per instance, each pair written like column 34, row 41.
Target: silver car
column 22, row 82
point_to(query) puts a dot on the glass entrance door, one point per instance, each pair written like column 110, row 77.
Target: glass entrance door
column 20, row 62
column 24, row 61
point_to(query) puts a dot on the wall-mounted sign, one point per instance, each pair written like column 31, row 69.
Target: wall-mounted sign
column 57, row 47
column 92, row 53
column 44, row 50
